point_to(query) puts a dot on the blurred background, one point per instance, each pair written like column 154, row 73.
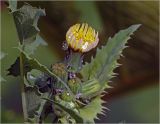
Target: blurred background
column 135, row 96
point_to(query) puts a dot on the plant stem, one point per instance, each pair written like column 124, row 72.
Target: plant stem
column 74, row 60
column 23, row 94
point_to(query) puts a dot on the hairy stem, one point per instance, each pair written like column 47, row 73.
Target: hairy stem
column 74, row 60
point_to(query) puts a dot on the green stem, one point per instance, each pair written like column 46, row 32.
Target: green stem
column 23, row 94
column 75, row 61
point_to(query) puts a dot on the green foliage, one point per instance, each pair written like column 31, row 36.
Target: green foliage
column 33, row 101
column 36, row 105
column 90, row 88
column 102, row 66
column 30, row 48
column 72, row 113
column 96, row 74
column 75, row 85
column 26, row 19
column 90, row 111
column 34, row 64
column 32, row 76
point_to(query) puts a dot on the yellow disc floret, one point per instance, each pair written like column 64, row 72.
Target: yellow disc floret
column 81, row 37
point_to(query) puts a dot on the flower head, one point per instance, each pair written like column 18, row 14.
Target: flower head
column 81, row 37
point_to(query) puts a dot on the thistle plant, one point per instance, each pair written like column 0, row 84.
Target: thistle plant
column 71, row 90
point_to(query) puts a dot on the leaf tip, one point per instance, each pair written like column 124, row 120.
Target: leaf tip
column 136, row 26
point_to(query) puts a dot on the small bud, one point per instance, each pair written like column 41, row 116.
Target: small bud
column 75, row 85
column 60, row 70
column 82, row 38
column 66, row 96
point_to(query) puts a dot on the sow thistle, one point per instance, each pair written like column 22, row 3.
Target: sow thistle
column 69, row 91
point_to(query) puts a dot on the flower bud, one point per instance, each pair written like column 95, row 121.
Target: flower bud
column 81, row 37
column 59, row 69
column 75, row 85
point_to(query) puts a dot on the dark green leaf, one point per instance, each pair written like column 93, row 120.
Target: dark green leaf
column 90, row 111
column 26, row 19
column 31, row 47
column 72, row 113
column 33, row 100
column 32, row 76
column 14, row 70
column 31, row 63
column 35, row 104
column 102, row 66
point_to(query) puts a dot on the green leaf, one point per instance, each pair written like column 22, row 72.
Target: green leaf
column 90, row 88
column 35, row 104
column 102, row 66
column 32, row 76
column 14, row 69
column 72, row 113
column 34, row 64
column 90, row 111
column 26, row 19
column 63, row 120
column 33, row 100
column 41, row 107
column 31, row 63
column 31, row 47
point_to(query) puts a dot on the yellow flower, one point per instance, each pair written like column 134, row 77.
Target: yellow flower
column 82, row 37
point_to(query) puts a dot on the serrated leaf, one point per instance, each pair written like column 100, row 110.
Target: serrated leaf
column 90, row 111
column 34, row 64
column 31, row 63
column 72, row 113
column 90, row 88
column 31, row 47
column 105, row 61
column 26, row 19
column 35, row 104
